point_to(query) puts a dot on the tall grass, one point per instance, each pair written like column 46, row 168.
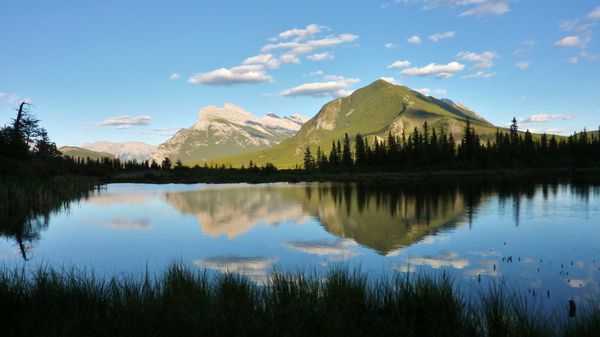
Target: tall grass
column 185, row 302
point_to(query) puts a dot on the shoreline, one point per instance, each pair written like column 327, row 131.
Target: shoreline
column 227, row 176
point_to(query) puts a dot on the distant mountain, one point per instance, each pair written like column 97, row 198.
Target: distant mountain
column 227, row 131
column 79, row 152
column 125, row 151
column 373, row 111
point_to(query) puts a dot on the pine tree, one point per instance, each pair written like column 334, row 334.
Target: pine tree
column 346, row 154
column 333, row 161
column 320, row 164
column 166, row 164
column 359, row 152
column 309, row 161
column 514, row 133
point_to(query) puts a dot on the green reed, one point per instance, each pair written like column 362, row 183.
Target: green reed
column 186, row 302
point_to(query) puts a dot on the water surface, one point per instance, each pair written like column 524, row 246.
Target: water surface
column 541, row 240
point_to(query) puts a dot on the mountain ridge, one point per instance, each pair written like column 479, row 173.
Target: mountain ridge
column 373, row 111
column 126, row 151
column 82, row 153
column 226, row 131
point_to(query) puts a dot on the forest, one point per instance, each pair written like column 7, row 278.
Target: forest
column 433, row 148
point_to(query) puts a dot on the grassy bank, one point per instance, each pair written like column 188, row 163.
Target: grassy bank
column 189, row 303
column 201, row 175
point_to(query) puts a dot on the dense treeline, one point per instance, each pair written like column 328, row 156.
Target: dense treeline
column 435, row 148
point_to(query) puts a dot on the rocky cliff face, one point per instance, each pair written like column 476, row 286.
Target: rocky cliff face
column 226, row 131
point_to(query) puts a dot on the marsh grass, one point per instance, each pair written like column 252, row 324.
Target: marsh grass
column 186, row 302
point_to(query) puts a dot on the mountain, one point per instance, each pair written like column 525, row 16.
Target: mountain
column 373, row 111
column 227, row 131
column 125, row 151
column 78, row 152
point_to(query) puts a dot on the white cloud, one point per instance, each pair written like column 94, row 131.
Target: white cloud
column 444, row 75
column 316, row 73
column 175, row 76
column 236, row 75
column 471, row 7
column 321, row 56
column 439, row 70
column 159, row 131
column 589, row 56
column 268, row 60
column 481, row 74
column 290, row 58
column 442, row 36
column 399, row 64
column 389, row 45
column 389, row 79
column 305, row 47
column 544, row 118
column 580, row 36
column 523, row 65
column 489, row 7
column 124, row 121
column 482, row 60
column 595, row 14
column 335, row 86
column 9, row 98
column 430, row 92
column 573, row 41
column 286, row 48
column 415, row 39
column 299, row 34
column 525, row 49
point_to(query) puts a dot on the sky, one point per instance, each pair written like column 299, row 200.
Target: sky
column 140, row 70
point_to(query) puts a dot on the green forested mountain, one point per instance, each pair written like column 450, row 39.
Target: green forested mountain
column 373, row 111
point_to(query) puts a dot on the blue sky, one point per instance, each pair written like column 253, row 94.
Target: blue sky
column 125, row 70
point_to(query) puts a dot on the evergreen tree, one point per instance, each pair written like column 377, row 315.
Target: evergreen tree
column 309, row 161
column 333, row 159
column 359, row 152
column 166, row 164
column 320, row 164
column 346, row 153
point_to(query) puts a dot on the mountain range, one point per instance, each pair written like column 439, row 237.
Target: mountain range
column 373, row 111
column 232, row 135
column 126, row 151
column 81, row 153
column 227, row 131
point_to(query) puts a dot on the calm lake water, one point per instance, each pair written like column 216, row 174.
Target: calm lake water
column 543, row 240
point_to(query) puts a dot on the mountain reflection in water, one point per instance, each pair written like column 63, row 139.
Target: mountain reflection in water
column 381, row 218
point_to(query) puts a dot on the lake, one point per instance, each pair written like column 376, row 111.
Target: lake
column 541, row 240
